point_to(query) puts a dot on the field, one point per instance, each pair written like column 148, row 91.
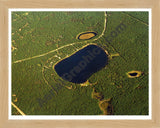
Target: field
column 41, row 39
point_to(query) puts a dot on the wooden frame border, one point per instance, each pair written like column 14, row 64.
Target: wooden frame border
column 6, row 4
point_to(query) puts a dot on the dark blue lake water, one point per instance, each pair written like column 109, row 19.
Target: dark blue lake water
column 78, row 67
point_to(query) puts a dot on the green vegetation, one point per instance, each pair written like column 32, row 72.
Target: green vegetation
column 41, row 39
column 97, row 95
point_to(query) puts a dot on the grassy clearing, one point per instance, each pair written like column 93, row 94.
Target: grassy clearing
column 35, row 29
column 36, row 33
column 86, row 35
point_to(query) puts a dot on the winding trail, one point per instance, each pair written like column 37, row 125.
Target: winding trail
column 52, row 51
column 43, row 68
column 20, row 111
column 37, row 56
